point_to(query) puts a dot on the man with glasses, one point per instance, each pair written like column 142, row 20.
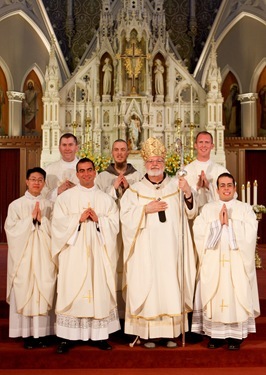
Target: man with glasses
column 84, row 229
column 151, row 216
column 31, row 273
column 226, row 299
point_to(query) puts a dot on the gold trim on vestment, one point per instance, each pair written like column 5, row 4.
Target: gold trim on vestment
column 153, row 198
column 130, row 316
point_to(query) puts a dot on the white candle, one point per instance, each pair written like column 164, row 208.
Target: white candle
column 75, row 104
column 243, row 193
column 248, row 192
column 191, row 105
column 255, row 193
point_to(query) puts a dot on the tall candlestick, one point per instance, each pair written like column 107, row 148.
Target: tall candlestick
column 179, row 106
column 243, row 193
column 255, row 193
column 248, row 192
column 88, row 100
column 191, row 105
column 75, row 103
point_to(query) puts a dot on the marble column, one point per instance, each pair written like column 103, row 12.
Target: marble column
column 248, row 114
column 15, row 113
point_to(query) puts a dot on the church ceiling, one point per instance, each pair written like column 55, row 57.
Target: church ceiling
column 75, row 31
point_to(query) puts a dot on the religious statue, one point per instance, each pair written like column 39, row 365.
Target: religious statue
column 30, row 106
column 134, row 130
column 232, row 112
column 107, row 77
column 159, row 83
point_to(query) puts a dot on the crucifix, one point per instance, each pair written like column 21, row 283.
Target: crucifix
column 133, row 61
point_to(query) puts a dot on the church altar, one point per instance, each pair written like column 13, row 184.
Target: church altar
column 132, row 85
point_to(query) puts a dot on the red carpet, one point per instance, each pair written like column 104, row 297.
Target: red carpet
column 124, row 359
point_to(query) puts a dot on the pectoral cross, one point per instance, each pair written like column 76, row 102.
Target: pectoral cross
column 133, row 61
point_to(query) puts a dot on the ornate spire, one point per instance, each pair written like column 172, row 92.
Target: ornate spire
column 214, row 78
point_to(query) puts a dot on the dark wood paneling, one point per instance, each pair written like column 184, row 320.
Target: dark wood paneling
column 10, row 183
column 256, row 170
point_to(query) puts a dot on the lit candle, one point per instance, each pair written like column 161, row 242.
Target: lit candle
column 75, row 103
column 255, row 193
column 248, row 192
column 243, row 193
column 191, row 105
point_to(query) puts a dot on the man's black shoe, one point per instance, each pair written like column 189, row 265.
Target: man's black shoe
column 29, row 343
column 32, row 343
column 104, row 345
column 215, row 343
column 234, row 344
column 63, row 347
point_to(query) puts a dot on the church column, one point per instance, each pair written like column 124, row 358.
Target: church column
column 248, row 114
column 15, row 113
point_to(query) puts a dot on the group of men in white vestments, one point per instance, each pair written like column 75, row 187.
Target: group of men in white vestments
column 170, row 246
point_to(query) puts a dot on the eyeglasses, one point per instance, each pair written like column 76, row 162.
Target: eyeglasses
column 35, row 180
column 160, row 161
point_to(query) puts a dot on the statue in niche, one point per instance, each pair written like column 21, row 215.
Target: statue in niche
column 262, row 96
column 2, row 102
column 107, row 77
column 158, row 72
column 134, row 131
column 232, row 112
column 30, row 107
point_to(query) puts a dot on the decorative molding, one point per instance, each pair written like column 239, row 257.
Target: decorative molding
column 245, row 142
column 20, row 142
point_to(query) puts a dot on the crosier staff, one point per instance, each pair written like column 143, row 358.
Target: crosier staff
column 182, row 173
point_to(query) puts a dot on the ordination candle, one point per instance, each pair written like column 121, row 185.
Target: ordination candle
column 255, row 193
column 248, row 192
column 243, row 190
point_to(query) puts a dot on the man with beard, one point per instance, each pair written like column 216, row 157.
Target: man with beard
column 151, row 216
column 115, row 181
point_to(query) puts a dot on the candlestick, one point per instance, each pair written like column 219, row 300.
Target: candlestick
column 191, row 105
column 255, row 193
column 88, row 99
column 75, row 104
column 179, row 105
column 248, row 192
column 243, row 193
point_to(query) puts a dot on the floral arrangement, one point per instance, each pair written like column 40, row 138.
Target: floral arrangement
column 259, row 209
column 173, row 161
column 101, row 162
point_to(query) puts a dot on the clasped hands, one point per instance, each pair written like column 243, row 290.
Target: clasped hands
column 223, row 215
column 88, row 214
column 36, row 213
column 202, row 181
column 121, row 181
